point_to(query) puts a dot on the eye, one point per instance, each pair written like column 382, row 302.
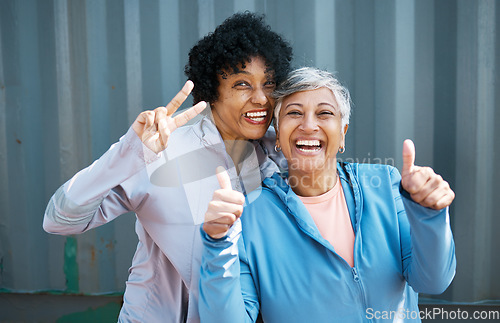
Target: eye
column 270, row 84
column 326, row 113
column 293, row 113
column 241, row 84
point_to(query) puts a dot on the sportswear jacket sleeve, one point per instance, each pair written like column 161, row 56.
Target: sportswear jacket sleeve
column 94, row 195
column 427, row 246
column 227, row 289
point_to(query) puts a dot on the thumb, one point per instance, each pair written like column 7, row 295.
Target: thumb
column 408, row 156
column 223, row 177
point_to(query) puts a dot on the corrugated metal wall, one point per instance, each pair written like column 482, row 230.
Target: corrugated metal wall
column 74, row 74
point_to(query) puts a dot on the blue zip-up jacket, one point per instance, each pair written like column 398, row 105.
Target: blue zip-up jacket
column 281, row 265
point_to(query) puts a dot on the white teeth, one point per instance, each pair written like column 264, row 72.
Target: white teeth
column 309, row 149
column 260, row 115
column 308, row 142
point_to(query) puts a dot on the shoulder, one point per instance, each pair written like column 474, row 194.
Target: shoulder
column 374, row 176
column 371, row 169
column 261, row 198
column 185, row 138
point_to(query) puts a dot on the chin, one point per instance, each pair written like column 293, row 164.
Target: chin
column 257, row 134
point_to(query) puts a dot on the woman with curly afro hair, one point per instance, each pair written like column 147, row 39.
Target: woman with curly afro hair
column 165, row 171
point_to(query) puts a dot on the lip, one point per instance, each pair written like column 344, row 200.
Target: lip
column 255, row 122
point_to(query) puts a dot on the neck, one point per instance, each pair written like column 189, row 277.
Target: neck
column 237, row 150
column 312, row 183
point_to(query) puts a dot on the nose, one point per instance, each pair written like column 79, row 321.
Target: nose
column 259, row 96
column 309, row 123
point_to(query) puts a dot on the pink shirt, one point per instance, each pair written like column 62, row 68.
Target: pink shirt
column 329, row 212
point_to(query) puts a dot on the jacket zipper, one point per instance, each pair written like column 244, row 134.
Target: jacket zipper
column 358, row 281
column 358, row 206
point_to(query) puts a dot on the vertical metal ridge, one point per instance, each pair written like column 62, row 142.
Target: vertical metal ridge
column 64, row 90
column 133, row 59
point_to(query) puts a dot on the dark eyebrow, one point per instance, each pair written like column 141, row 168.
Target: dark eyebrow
column 239, row 72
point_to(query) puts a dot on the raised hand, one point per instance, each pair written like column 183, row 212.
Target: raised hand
column 425, row 187
column 154, row 127
column 224, row 209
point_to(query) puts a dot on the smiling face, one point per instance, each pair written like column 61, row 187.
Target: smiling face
column 310, row 133
column 244, row 107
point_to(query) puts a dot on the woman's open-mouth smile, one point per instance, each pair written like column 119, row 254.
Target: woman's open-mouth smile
column 308, row 146
column 256, row 116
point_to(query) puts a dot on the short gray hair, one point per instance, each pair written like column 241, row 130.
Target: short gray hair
column 310, row 78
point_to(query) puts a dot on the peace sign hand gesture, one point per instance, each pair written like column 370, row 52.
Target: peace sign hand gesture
column 154, row 127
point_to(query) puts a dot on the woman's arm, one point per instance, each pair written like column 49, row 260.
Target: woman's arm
column 227, row 289
column 94, row 196
column 427, row 248
column 428, row 252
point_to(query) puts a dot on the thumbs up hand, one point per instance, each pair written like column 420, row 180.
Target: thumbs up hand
column 224, row 209
column 425, row 187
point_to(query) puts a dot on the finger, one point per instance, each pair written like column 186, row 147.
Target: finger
column 436, row 195
column 180, row 97
column 142, row 118
column 415, row 181
column 408, row 157
column 139, row 124
column 164, row 131
column 223, row 178
column 149, row 119
column 225, row 207
column 161, row 124
column 149, row 126
column 218, row 217
column 216, row 230
column 229, row 196
column 160, row 113
column 445, row 201
column 434, row 182
column 430, row 198
column 182, row 118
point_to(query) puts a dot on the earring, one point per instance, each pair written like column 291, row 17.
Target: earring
column 277, row 148
column 341, row 150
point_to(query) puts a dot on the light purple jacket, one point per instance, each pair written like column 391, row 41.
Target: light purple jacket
column 169, row 192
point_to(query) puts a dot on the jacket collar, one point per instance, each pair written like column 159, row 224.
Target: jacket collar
column 347, row 173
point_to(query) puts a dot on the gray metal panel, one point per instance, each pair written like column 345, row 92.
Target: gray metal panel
column 75, row 74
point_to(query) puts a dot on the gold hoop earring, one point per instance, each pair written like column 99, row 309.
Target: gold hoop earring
column 341, row 150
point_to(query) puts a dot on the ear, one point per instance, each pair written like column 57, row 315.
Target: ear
column 343, row 135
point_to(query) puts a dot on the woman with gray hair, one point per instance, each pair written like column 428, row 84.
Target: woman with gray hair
column 331, row 240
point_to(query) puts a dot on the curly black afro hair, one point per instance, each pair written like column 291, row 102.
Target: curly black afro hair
column 234, row 42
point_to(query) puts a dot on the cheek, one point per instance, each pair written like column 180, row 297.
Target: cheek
column 271, row 102
column 285, row 144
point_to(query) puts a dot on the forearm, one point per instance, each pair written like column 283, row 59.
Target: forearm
column 433, row 262
column 77, row 204
column 221, row 298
